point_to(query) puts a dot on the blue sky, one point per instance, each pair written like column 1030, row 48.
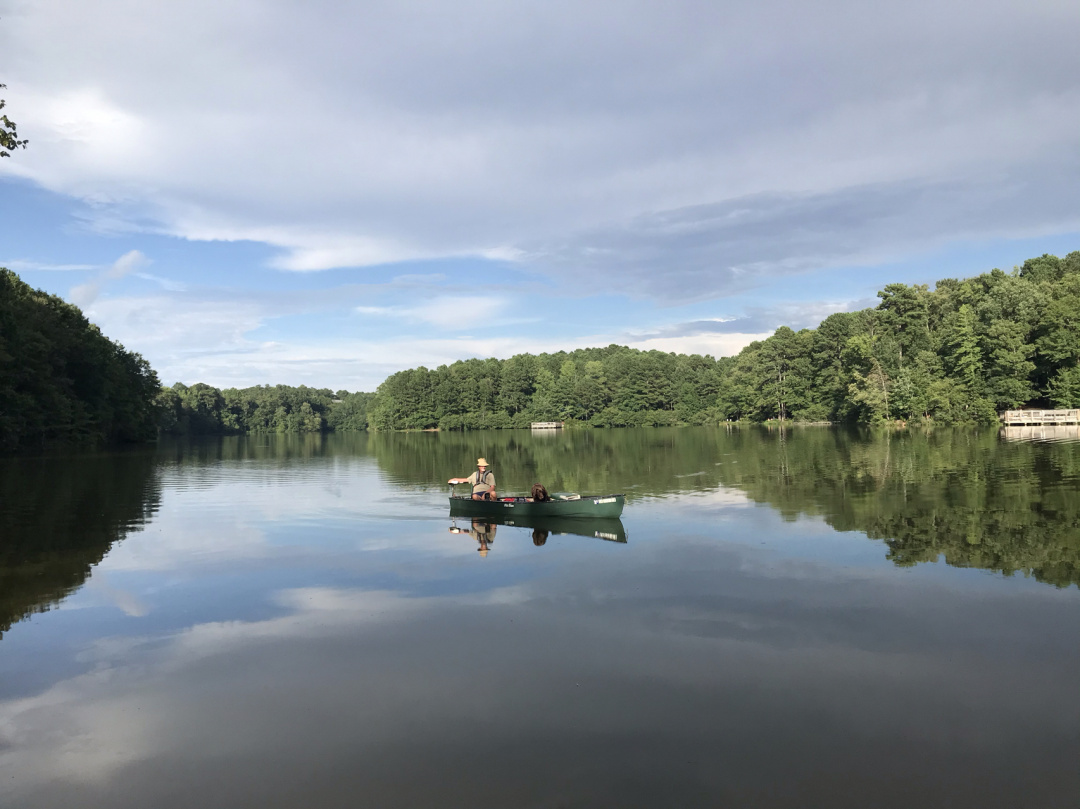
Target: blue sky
column 325, row 193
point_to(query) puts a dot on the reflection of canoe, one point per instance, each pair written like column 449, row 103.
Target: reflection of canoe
column 604, row 505
column 609, row 528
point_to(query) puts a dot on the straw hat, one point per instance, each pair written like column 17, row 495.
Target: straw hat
column 482, row 462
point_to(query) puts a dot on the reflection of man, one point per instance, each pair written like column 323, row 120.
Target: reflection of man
column 482, row 481
column 483, row 532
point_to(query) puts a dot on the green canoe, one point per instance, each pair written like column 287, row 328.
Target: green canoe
column 603, row 505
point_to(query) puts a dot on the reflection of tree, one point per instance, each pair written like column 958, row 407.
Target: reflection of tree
column 269, row 448
column 59, row 518
column 964, row 495
column 587, row 461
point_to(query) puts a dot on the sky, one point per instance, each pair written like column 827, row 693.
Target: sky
column 324, row 193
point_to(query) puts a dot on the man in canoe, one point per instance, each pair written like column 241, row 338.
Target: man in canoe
column 482, row 481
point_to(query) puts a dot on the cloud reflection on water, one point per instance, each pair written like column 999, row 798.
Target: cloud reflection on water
column 311, row 643
column 710, row 671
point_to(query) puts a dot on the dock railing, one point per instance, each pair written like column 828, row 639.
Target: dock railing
column 1033, row 417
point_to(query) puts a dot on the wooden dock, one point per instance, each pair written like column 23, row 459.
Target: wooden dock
column 546, row 425
column 1016, row 418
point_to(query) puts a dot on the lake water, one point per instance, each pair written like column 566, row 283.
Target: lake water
column 800, row 618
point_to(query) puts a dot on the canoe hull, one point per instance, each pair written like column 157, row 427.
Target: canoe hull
column 600, row 506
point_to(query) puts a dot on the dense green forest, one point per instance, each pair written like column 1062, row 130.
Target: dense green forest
column 957, row 354
column 62, row 380
column 205, row 410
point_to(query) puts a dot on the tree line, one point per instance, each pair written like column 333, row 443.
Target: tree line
column 204, row 410
column 62, row 380
column 957, row 354
column 952, row 355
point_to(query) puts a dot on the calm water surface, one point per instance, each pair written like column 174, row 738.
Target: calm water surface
column 799, row 619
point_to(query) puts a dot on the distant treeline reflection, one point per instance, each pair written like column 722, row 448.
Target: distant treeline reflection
column 961, row 495
column 60, row 517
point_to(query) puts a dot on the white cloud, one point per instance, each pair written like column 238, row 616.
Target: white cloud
column 322, row 252
column 129, row 262
column 85, row 294
column 718, row 345
column 165, row 283
column 188, row 338
column 376, row 311
column 452, row 313
column 170, row 331
column 570, row 136
column 680, row 154
column 23, row 266
column 420, row 279
column 463, row 313
column 364, row 364
column 96, row 149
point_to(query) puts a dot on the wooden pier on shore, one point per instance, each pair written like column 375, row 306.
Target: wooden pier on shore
column 1017, row 418
column 546, row 425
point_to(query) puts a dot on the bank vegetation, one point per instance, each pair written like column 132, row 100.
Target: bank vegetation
column 957, row 354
